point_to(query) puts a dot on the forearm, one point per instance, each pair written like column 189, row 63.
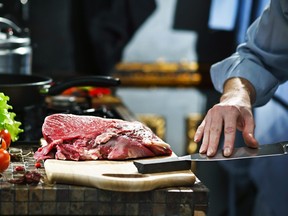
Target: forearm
column 238, row 88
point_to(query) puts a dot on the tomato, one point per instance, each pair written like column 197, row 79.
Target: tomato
column 4, row 133
column 38, row 165
column 3, row 144
column 4, row 160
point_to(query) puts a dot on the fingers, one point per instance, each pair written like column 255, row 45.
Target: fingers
column 199, row 135
column 230, row 128
column 210, row 130
column 199, row 132
column 250, row 140
column 214, row 131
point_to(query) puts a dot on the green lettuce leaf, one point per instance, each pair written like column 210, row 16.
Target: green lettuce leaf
column 7, row 118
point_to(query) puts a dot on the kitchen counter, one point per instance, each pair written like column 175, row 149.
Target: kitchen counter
column 59, row 199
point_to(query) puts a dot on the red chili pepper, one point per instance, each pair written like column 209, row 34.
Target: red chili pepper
column 94, row 92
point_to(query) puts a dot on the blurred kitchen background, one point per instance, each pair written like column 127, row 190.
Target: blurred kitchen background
column 160, row 49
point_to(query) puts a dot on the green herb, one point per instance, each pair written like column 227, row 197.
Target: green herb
column 7, row 120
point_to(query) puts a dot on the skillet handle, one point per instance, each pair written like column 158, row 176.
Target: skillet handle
column 99, row 81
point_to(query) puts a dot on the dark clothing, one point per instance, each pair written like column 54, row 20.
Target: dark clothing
column 102, row 29
column 71, row 37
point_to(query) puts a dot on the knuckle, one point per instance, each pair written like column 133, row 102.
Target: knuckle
column 214, row 129
column 229, row 130
column 224, row 109
column 215, row 109
column 232, row 110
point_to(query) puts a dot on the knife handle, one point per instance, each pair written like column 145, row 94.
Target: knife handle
column 285, row 147
column 162, row 165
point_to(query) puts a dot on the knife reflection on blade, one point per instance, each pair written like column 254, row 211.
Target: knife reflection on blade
column 184, row 162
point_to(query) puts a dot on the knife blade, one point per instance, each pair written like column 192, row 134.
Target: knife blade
column 184, row 162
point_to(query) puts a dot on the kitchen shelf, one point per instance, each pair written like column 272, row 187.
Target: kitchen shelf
column 160, row 74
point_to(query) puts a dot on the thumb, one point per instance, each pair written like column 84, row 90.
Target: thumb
column 248, row 133
column 250, row 140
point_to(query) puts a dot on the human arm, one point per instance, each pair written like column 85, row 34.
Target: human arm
column 263, row 60
column 234, row 111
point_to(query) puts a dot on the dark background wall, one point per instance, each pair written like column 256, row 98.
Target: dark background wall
column 77, row 36
column 88, row 36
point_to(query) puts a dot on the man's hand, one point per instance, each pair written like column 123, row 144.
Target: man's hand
column 231, row 113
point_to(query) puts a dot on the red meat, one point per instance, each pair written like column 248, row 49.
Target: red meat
column 79, row 137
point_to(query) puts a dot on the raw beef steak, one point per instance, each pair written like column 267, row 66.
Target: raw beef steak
column 79, row 137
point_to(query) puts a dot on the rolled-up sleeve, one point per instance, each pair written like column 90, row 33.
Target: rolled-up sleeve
column 263, row 58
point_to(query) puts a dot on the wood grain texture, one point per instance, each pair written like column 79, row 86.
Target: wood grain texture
column 113, row 175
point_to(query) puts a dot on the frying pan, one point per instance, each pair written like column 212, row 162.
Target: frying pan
column 28, row 90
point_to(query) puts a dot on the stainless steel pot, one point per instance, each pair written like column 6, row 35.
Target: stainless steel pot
column 15, row 49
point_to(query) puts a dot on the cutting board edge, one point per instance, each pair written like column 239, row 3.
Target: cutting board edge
column 169, row 179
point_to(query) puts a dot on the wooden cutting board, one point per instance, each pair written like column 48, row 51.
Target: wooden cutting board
column 113, row 175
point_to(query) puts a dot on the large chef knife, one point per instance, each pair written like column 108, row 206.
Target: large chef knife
column 184, row 162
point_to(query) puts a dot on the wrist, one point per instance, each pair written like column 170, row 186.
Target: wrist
column 238, row 88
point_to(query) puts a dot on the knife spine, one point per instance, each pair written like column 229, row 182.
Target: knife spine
column 146, row 166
